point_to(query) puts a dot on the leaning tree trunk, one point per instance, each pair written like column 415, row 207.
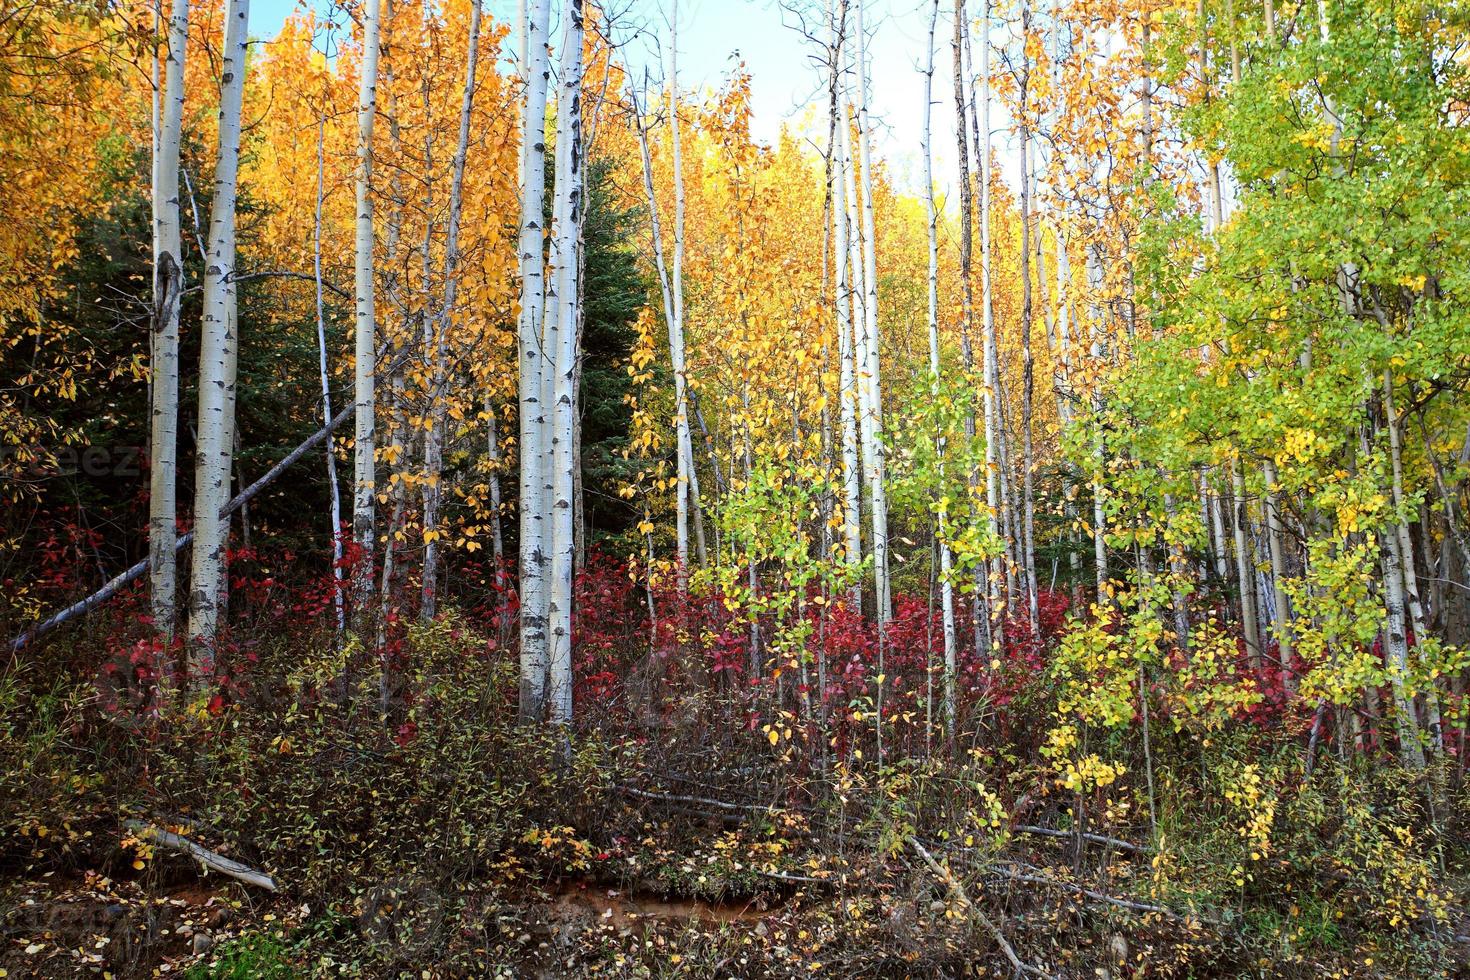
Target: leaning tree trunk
column 168, row 282
column 215, row 452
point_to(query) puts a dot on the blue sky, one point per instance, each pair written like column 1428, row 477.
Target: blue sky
column 715, row 34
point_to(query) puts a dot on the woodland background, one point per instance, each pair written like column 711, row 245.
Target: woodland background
column 1064, row 572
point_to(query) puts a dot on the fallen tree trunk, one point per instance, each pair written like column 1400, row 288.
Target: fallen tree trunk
column 116, row 585
column 215, row 862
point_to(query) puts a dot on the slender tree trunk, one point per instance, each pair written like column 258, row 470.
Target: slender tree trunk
column 871, row 376
column 215, row 450
column 846, row 353
column 433, row 437
column 1099, row 510
column 1281, row 613
column 335, row 503
column 534, row 540
column 990, row 387
column 980, row 612
column 688, row 491
column 564, row 269
column 1406, row 549
column 1245, row 571
column 365, row 370
column 168, row 276
column 1028, row 462
column 946, row 585
column 856, row 296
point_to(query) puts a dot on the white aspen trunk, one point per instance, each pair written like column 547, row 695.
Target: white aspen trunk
column 1244, row 568
column 1028, row 493
column 688, row 489
column 1065, row 406
column 335, row 502
column 1099, row 511
column 990, row 387
column 846, row 354
column 230, row 436
column 365, row 333
column 564, row 269
column 1281, row 613
column 168, row 276
column 215, row 451
column 871, row 378
column 1406, row 552
column 960, row 44
column 533, row 448
column 946, row 585
column 1396, row 645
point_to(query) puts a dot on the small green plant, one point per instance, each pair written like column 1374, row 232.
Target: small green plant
column 251, row 957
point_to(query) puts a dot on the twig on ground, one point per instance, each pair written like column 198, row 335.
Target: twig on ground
column 958, row 891
column 1121, row 845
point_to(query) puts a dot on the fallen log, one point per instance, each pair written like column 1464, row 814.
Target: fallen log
column 216, row 862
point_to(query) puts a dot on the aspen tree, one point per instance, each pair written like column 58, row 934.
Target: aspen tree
column 365, row 329
column 215, row 452
column 980, row 609
column 990, row 385
column 1028, row 463
column 164, row 350
column 946, row 585
column 870, row 374
column 565, row 266
column 846, row 355
column 534, row 541
column 334, row 504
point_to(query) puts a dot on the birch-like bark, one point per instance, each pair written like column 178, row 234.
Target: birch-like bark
column 870, row 378
column 1099, row 510
column 688, row 489
column 335, row 502
column 215, row 451
column 854, row 311
column 946, row 585
column 1396, row 646
column 164, row 355
column 980, row 609
column 846, row 355
column 1280, row 611
column 990, row 385
column 564, row 269
column 1028, row 495
column 1245, row 571
column 365, row 327
column 533, row 448
column 1400, row 529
